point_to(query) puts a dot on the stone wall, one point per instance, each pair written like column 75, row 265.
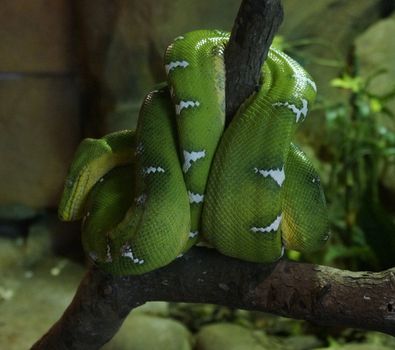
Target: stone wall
column 39, row 99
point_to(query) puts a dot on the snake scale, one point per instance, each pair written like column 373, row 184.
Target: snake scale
column 146, row 196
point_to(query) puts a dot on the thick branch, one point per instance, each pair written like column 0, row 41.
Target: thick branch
column 255, row 26
column 323, row 295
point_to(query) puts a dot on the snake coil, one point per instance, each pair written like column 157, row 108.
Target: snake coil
column 147, row 196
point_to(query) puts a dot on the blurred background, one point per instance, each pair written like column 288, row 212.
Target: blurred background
column 71, row 69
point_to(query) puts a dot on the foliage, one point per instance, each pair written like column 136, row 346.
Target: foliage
column 360, row 146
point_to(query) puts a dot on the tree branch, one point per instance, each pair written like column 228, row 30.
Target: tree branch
column 253, row 31
column 320, row 294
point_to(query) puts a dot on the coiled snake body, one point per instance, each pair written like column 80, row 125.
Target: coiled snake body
column 147, row 196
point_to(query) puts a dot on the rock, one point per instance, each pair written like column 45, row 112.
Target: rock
column 27, row 254
column 37, row 245
column 31, row 300
column 375, row 49
column 35, row 287
column 153, row 308
column 380, row 339
column 40, row 131
column 302, row 342
column 11, row 253
column 233, row 337
column 327, row 46
column 324, row 49
column 142, row 332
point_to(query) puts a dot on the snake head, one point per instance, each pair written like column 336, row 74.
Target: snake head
column 93, row 159
column 72, row 203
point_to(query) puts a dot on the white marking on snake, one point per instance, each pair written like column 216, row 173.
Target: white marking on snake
column 140, row 200
column 272, row 227
column 93, row 256
column 179, row 38
column 306, row 80
column 277, row 175
column 186, row 104
column 101, row 179
column 175, row 64
column 298, row 111
column 195, row 197
column 153, row 170
column 190, row 157
column 126, row 252
column 140, row 148
column 282, row 251
column 108, row 254
column 193, row 234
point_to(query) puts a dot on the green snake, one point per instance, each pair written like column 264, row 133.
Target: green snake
column 146, row 196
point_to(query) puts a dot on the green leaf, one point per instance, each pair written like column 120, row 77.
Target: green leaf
column 348, row 82
column 375, row 105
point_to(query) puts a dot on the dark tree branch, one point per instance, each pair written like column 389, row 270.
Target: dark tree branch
column 253, row 31
column 323, row 295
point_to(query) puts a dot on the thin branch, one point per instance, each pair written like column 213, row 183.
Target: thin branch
column 320, row 294
column 253, row 31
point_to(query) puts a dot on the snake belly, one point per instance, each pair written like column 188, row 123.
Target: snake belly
column 247, row 191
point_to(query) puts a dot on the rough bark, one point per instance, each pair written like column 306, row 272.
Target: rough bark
column 253, row 31
column 320, row 294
